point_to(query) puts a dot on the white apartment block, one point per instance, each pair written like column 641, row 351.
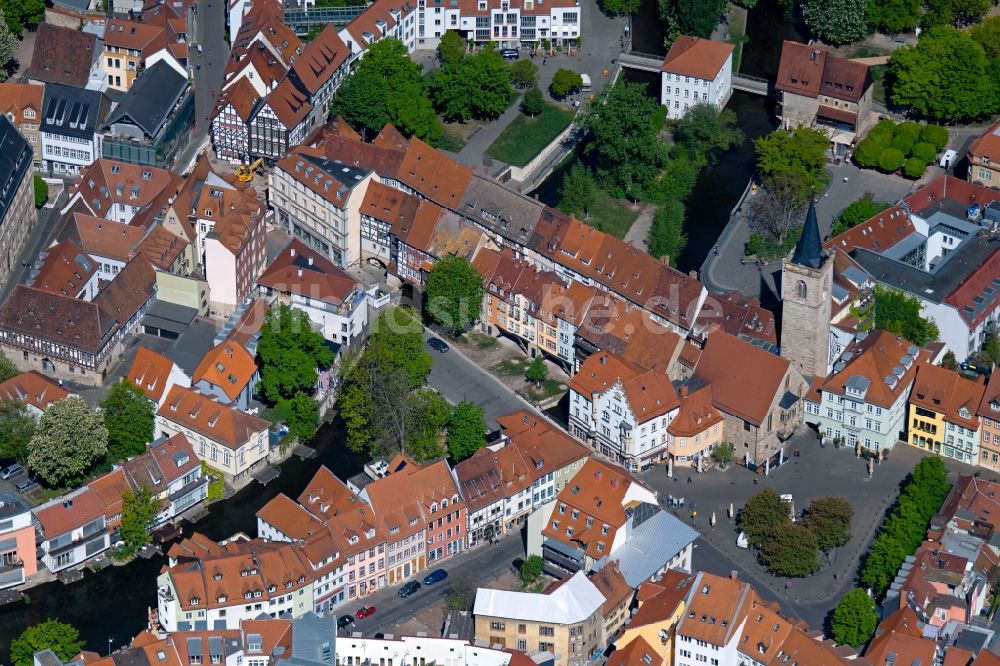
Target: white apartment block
column 696, row 71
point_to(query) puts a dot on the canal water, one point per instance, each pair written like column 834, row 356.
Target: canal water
column 113, row 603
column 719, row 186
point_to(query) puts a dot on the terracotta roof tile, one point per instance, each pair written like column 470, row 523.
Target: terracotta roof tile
column 228, row 366
column 78, row 324
column 715, row 608
column 658, row 600
column 68, row 512
column 110, row 487
column 875, row 358
column 697, row 57
column 65, row 270
column 649, row 393
column 31, row 388
column 289, row 104
column 62, row 55
column 150, row 372
column 696, row 414
column 320, row 59
column 301, row 270
column 946, row 392
column 228, row 426
column 16, row 97
column 987, row 144
column 637, row 653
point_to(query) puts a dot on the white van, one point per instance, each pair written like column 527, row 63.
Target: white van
column 585, row 86
column 948, row 159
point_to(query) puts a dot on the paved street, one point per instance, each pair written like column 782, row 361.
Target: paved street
column 208, row 67
column 38, row 239
column 479, row 568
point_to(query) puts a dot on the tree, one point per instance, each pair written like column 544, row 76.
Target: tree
column 761, row 515
column 858, row 211
column 836, row 21
column 778, row 207
column 61, row 638
column 476, row 86
column 900, row 314
column 868, row 151
column 987, row 35
column 451, row 47
column 704, row 132
column 723, row 453
column 8, row 47
column 17, row 427
column 461, row 595
column 139, row 510
column 829, row 519
column 454, row 293
column 301, row 415
column 949, row 361
column 790, row 551
column 894, row 15
column 991, row 345
column 945, row 77
column 68, row 440
column 537, row 372
column 290, row 351
column 620, row 7
column 798, row 156
column 18, row 14
column 533, row 103
column 531, row 569
column 854, row 619
column 914, row 168
column 564, row 82
column 41, row 189
column 697, row 18
column 579, row 192
column 935, row 135
column 466, row 431
column 428, row 415
column 7, row 368
column 129, row 418
column 957, row 13
column 891, row 159
column 624, row 147
column 924, row 153
column 667, row 237
column 413, row 114
column 524, row 73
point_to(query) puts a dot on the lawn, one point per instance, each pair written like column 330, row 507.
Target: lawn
column 452, row 138
column 613, row 216
column 525, row 137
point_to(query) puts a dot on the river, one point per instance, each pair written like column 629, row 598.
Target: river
column 719, row 186
column 113, row 603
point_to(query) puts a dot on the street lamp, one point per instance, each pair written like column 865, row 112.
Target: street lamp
column 110, row 639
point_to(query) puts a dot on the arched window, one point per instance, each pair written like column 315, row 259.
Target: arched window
column 801, row 289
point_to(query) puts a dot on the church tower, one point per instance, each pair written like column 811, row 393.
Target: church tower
column 806, row 282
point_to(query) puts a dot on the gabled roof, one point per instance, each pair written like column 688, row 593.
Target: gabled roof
column 975, row 298
column 947, row 393
column 987, row 144
column 989, row 406
column 150, row 372
column 71, row 511
column 289, row 104
column 649, row 394
column 36, row 313
column 104, row 238
column 811, row 71
column 16, row 97
column 715, row 608
column 659, row 599
column 110, row 487
column 696, row 414
column 231, row 427
column 62, row 55
column 697, row 57
column 320, row 60
column 151, row 99
column 228, row 366
column 879, row 364
column 31, row 388
column 301, row 270
column 132, row 288
column 65, row 270
column 107, row 182
column 901, row 634
column 242, row 96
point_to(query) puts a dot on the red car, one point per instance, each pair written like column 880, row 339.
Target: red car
column 365, row 611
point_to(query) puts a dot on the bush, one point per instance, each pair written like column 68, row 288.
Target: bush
column 755, row 244
column 41, row 192
column 925, row 152
column 564, row 82
column 903, row 143
column 909, row 129
column 935, row 135
column 884, row 130
column 869, row 150
column 914, row 168
column 891, row 160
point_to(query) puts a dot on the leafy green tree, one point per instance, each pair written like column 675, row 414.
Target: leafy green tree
column 667, row 237
column 624, row 148
column 7, row 368
column 992, row 347
column 19, row 14
column 68, row 440
column 290, row 351
column 705, row 132
column 129, row 418
column 451, row 47
column 301, row 414
column 829, row 518
column 537, row 372
column 723, row 453
column 139, row 509
column 868, row 152
column 854, row 619
column 761, row 515
column 524, row 73
column 579, row 191
column 914, row 168
column 385, row 88
column 41, row 189
column 531, row 569
column 924, row 152
column 957, row 13
column 790, row 551
column 564, row 82
column 900, row 314
column 799, row 155
column 533, row 103
column 949, row 361
column 894, row 15
column 935, row 135
column 620, row 7
column 476, row 86
column 454, row 293
column 836, row 21
column 858, row 211
column 987, row 35
column 891, row 160
column 461, row 595
column 429, row 414
column 17, row 427
column 945, row 77
column 466, row 431
column 61, row 638
column 903, row 143
column 697, row 18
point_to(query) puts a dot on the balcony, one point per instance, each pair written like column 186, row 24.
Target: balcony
column 11, row 574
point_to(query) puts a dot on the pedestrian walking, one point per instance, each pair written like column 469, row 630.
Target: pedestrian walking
column 689, row 480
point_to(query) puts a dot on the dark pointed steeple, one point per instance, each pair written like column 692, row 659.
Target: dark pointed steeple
column 809, row 251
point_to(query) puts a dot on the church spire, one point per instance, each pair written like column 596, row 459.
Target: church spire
column 809, row 251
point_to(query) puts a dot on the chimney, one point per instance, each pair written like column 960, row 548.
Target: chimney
column 604, row 359
column 310, row 261
column 815, row 55
column 734, row 575
column 292, row 252
column 300, row 272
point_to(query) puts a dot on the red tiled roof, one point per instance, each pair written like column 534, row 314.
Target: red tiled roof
column 987, row 144
column 301, row 270
column 946, row 392
column 62, row 55
column 975, row 298
column 230, row 427
column 68, row 512
column 31, row 388
column 228, row 366
column 149, row 372
column 697, row 57
column 731, row 365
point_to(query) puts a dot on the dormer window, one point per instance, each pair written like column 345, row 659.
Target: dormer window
column 195, row 601
column 222, row 598
column 272, row 588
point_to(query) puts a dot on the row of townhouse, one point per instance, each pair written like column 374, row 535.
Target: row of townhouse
column 885, row 390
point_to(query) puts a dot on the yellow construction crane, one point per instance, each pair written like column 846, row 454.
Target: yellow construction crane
column 245, row 173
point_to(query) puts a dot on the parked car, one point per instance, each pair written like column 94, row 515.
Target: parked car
column 435, row 576
column 437, row 344
column 409, row 589
column 510, row 54
column 27, row 484
column 344, row 621
column 365, row 611
column 11, row 471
